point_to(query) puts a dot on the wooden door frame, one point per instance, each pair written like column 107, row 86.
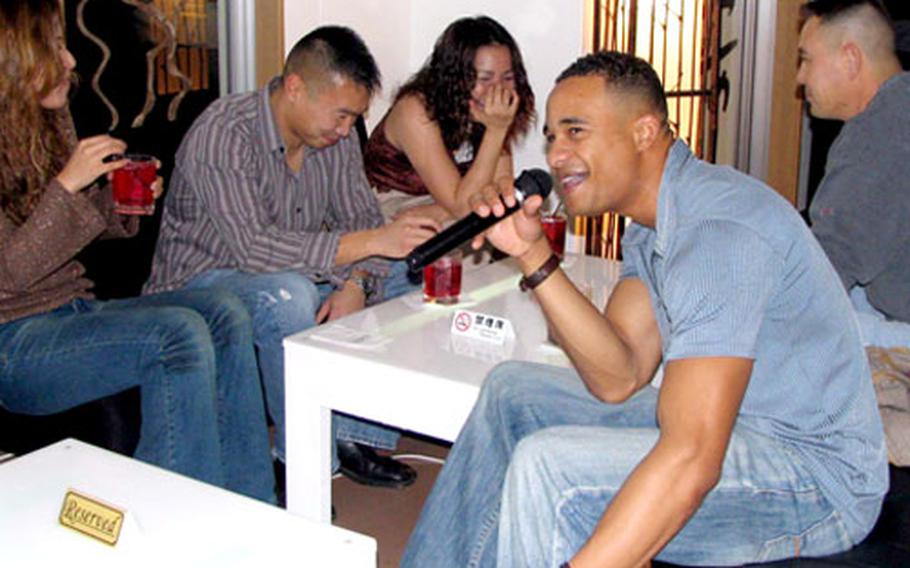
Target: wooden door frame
column 786, row 104
column 269, row 39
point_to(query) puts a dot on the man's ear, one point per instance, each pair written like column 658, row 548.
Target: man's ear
column 852, row 59
column 294, row 86
column 645, row 130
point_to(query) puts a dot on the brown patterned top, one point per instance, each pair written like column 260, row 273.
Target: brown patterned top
column 388, row 168
column 38, row 272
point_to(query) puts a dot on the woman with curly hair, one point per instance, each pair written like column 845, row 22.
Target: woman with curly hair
column 452, row 126
column 191, row 353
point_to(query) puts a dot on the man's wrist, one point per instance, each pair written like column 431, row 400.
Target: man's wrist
column 375, row 241
column 537, row 277
column 371, row 240
column 364, row 283
column 357, row 245
column 535, row 256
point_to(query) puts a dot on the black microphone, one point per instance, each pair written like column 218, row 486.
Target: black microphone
column 531, row 182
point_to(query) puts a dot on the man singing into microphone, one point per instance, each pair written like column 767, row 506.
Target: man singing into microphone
column 763, row 440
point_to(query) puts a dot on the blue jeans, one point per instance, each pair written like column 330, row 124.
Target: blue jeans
column 397, row 282
column 282, row 304
column 540, row 459
column 190, row 352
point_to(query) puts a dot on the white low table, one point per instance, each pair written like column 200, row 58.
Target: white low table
column 397, row 363
column 171, row 520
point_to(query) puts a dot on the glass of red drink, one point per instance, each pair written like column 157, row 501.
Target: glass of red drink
column 132, row 185
column 554, row 227
column 442, row 279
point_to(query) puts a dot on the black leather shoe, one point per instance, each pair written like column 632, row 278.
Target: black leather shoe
column 363, row 465
column 280, row 483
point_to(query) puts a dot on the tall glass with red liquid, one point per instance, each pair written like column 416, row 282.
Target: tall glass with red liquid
column 554, row 227
column 132, row 185
column 442, row 279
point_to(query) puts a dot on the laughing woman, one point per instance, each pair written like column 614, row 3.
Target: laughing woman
column 452, row 126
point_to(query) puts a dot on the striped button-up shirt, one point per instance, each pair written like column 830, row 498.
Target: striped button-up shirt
column 233, row 202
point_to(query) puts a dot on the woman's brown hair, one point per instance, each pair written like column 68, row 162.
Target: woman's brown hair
column 34, row 142
column 446, row 79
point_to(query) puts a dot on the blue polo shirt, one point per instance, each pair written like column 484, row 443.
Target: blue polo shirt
column 733, row 271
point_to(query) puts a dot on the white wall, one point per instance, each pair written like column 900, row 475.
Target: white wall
column 401, row 33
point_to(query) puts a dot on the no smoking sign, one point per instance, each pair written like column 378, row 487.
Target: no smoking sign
column 462, row 321
column 481, row 326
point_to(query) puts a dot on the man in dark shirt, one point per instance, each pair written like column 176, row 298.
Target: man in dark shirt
column 269, row 199
column 850, row 72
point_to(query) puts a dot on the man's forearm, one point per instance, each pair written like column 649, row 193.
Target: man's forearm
column 697, row 409
column 355, row 246
column 603, row 359
column 653, row 504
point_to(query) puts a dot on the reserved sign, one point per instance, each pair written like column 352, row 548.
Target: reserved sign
column 91, row 517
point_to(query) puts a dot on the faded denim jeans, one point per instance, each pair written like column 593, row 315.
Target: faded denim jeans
column 540, row 458
column 189, row 351
column 282, row 304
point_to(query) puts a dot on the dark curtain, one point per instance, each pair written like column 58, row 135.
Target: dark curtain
column 120, row 267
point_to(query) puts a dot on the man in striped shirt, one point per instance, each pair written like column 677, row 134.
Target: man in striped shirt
column 269, row 199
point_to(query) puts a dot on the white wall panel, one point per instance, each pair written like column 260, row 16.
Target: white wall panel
column 401, row 33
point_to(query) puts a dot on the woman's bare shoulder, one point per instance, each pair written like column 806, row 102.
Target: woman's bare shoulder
column 408, row 117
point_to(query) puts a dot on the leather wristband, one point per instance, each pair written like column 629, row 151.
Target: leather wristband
column 537, row 277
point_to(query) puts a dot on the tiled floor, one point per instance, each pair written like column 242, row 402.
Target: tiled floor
column 388, row 515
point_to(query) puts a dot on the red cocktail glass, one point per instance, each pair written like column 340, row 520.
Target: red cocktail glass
column 554, row 227
column 132, row 185
column 442, row 279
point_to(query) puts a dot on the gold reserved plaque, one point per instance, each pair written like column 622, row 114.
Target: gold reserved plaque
column 91, row 517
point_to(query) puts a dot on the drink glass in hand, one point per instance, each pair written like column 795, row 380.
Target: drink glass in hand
column 132, row 185
column 554, row 227
column 442, row 279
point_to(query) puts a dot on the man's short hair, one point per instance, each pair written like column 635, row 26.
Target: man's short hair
column 871, row 25
column 625, row 74
column 334, row 50
column 834, row 10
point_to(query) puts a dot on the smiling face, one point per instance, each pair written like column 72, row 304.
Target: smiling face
column 321, row 114
column 822, row 71
column 493, row 66
column 591, row 146
column 56, row 97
